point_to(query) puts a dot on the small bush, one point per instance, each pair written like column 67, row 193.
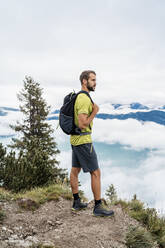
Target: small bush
column 162, row 242
column 149, row 218
column 111, row 194
column 138, row 237
column 140, row 216
column 122, row 203
column 136, row 205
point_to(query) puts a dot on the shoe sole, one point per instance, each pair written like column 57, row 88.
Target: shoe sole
column 103, row 216
column 79, row 209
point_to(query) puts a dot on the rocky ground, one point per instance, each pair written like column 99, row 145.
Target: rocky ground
column 54, row 224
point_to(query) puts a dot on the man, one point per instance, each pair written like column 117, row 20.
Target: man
column 83, row 152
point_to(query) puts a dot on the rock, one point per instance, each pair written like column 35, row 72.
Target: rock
column 14, row 236
column 32, row 239
column 28, row 204
column 4, row 228
column 19, row 243
column 16, row 242
column 34, row 231
column 10, row 231
column 58, row 222
column 16, row 228
column 47, row 244
column 3, row 244
column 58, row 237
column 50, row 223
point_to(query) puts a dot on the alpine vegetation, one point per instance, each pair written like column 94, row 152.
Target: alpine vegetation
column 32, row 160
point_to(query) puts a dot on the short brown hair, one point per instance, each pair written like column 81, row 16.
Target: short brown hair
column 85, row 75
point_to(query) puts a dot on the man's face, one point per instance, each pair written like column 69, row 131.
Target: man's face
column 91, row 83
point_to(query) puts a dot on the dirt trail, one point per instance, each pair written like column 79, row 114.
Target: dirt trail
column 55, row 224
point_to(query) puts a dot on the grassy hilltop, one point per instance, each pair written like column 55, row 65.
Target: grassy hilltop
column 42, row 217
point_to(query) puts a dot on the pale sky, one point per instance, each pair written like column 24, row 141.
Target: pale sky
column 54, row 41
column 122, row 40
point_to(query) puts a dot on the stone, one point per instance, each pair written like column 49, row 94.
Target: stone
column 58, row 222
column 4, row 228
column 32, row 239
column 28, row 204
column 50, row 222
column 14, row 236
column 48, row 243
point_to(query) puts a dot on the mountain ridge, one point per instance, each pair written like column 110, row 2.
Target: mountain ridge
column 136, row 111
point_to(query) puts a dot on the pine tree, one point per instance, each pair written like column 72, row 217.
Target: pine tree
column 111, row 193
column 36, row 149
column 2, row 162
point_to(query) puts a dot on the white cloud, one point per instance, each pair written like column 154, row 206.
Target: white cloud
column 9, row 119
column 146, row 182
column 130, row 132
column 122, row 41
column 65, row 159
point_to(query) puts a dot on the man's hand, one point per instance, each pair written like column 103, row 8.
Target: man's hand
column 95, row 108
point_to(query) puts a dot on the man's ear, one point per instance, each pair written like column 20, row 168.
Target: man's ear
column 84, row 82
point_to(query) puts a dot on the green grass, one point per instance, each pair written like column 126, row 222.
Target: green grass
column 43, row 194
column 5, row 195
column 39, row 195
column 148, row 217
column 138, row 237
column 122, row 203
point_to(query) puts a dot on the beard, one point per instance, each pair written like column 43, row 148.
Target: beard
column 90, row 88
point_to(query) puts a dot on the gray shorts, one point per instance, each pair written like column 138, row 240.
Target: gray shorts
column 84, row 156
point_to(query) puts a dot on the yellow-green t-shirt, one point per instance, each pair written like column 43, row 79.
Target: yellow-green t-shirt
column 83, row 105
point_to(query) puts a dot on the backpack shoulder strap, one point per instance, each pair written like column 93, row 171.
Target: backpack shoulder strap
column 85, row 92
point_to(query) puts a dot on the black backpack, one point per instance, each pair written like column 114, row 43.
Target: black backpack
column 66, row 116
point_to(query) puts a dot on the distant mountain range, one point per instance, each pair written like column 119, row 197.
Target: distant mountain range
column 4, row 110
column 132, row 106
column 154, row 116
column 136, row 111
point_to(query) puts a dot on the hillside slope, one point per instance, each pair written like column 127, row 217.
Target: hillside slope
column 54, row 224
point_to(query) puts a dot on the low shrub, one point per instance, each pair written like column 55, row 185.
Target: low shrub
column 149, row 218
column 138, row 237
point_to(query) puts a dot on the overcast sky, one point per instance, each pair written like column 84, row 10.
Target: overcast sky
column 53, row 41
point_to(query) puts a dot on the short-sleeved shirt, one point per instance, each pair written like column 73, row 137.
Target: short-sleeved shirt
column 83, row 105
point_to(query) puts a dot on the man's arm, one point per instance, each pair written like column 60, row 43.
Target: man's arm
column 84, row 120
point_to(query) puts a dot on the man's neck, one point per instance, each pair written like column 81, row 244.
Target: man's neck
column 85, row 89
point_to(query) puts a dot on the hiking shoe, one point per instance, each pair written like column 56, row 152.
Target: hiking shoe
column 100, row 210
column 78, row 205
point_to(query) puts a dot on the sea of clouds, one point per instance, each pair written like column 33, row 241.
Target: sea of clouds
column 145, row 180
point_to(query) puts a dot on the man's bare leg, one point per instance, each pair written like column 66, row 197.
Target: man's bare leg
column 99, row 210
column 77, row 204
column 74, row 179
column 96, row 184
